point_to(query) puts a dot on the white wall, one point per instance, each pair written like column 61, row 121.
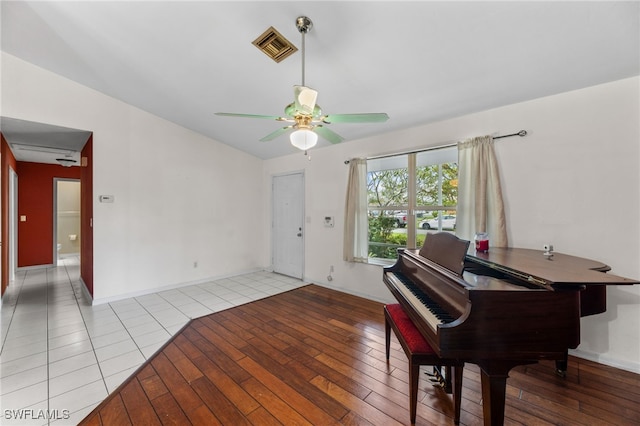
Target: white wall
column 574, row 182
column 179, row 197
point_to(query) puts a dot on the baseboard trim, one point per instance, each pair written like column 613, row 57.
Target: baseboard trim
column 139, row 293
column 632, row 367
column 85, row 292
column 34, row 267
column 326, row 284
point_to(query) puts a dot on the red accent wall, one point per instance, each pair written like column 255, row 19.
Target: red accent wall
column 86, row 216
column 35, row 201
column 7, row 160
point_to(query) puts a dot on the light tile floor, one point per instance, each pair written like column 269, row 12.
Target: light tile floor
column 61, row 357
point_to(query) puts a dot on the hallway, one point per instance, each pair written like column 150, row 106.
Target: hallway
column 61, row 357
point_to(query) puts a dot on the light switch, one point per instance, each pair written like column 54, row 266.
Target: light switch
column 23, row 218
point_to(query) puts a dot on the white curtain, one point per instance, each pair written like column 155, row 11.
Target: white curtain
column 480, row 205
column 356, row 226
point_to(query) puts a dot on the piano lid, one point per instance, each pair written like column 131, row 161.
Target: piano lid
column 560, row 269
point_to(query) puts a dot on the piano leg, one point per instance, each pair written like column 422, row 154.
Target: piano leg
column 457, row 391
column 414, row 375
column 493, row 376
column 387, row 334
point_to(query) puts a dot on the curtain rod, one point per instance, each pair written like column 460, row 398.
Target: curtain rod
column 521, row 133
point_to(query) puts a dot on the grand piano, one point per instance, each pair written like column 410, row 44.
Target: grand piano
column 498, row 309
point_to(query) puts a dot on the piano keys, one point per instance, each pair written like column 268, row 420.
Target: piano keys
column 499, row 309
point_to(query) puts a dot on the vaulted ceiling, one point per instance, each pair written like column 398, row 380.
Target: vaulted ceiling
column 419, row 62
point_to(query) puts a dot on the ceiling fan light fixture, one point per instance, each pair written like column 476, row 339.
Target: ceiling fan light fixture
column 308, row 122
column 305, row 99
column 304, row 139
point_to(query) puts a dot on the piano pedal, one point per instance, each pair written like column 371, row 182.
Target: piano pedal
column 438, row 383
column 436, row 379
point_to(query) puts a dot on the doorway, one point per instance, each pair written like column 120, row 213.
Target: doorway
column 42, row 143
column 288, row 224
column 66, row 220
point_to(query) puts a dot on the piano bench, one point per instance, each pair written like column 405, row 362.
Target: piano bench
column 419, row 352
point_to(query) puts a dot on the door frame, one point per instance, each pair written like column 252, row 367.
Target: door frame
column 55, row 214
column 13, row 224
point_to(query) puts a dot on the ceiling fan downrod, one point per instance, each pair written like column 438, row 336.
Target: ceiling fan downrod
column 304, row 25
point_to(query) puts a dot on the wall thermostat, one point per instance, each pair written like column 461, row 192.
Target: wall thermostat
column 328, row 221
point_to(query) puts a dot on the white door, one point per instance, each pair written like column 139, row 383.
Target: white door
column 288, row 224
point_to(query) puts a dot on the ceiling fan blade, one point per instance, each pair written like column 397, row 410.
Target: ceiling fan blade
column 328, row 134
column 275, row 134
column 266, row 117
column 304, row 99
column 356, row 118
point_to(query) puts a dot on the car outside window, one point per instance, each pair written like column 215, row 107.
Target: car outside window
column 410, row 196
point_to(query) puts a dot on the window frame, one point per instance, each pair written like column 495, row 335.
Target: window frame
column 411, row 208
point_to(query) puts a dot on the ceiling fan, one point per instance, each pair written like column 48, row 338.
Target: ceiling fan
column 305, row 115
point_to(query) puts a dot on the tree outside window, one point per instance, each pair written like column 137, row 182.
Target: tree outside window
column 410, row 196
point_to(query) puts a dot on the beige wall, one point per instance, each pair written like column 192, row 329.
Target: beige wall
column 573, row 182
column 179, row 197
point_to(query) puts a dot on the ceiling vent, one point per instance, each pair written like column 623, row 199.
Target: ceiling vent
column 274, row 45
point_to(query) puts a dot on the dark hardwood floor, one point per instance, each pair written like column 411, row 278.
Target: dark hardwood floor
column 314, row 356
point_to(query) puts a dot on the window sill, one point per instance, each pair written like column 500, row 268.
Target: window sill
column 380, row 262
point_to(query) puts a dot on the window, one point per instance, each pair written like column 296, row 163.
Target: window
column 410, row 196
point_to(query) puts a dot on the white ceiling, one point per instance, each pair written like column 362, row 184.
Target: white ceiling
column 419, row 62
column 43, row 143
